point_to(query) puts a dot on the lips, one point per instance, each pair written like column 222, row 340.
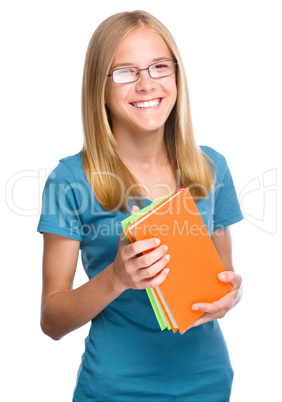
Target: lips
column 147, row 104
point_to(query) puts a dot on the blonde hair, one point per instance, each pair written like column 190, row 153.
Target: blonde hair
column 109, row 178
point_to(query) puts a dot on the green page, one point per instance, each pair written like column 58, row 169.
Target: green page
column 163, row 323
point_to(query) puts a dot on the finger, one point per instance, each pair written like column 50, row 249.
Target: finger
column 223, row 304
column 134, row 209
column 154, row 269
column 230, row 276
column 206, row 317
column 141, row 246
column 219, row 308
column 147, row 260
column 156, row 280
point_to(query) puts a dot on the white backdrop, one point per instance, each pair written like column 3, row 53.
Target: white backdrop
column 232, row 53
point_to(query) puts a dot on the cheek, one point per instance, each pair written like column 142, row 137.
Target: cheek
column 171, row 87
column 112, row 92
column 114, row 95
column 114, row 100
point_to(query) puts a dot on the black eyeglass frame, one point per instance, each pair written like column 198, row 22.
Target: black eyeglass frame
column 175, row 63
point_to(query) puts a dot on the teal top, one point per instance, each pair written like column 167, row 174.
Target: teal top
column 127, row 357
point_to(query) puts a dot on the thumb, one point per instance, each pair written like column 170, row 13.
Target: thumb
column 134, row 209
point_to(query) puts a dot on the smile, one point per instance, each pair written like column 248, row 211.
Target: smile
column 147, row 104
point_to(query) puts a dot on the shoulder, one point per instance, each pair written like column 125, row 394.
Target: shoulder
column 62, row 198
column 73, row 161
column 216, row 157
column 218, row 161
column 68, row 169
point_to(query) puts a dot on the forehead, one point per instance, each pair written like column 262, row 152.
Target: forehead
column 141, row 46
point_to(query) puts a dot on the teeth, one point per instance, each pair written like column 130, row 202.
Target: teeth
column 152, row 103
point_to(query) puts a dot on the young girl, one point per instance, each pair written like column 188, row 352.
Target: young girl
column 138, row 147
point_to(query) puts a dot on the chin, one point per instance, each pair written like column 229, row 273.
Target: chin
column 151, row 127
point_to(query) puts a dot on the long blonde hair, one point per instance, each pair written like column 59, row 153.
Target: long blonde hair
column 109, row 178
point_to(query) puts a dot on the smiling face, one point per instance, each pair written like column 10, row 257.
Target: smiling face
column 144, row 105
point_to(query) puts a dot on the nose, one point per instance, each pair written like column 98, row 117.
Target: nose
column 145, row 82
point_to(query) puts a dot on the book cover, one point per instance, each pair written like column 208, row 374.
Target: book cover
column 194, row 262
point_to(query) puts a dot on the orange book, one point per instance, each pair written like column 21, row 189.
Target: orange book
column 194, row 262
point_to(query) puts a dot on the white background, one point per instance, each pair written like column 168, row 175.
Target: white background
column 232, row 53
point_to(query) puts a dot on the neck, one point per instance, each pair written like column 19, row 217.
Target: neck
column 142, row 149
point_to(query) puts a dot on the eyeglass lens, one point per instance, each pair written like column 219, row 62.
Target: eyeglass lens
column 131, row 74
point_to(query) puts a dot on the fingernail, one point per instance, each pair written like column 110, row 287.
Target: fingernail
column 167, row 257
column 195, row 307
column 157, row 241
column 166, row 270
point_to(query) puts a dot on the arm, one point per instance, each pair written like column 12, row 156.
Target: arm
column 222, row 241
column 64, row 309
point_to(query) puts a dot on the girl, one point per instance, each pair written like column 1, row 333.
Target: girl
column 138, row 147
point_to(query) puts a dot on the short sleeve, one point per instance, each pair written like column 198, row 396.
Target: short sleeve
column 227, row 210
column 60, row 213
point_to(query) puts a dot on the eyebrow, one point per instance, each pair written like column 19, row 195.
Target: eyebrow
column 129, row 64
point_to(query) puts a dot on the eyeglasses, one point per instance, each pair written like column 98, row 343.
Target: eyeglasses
column 131, row 74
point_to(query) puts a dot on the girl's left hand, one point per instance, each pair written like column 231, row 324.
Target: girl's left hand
column 219, row 308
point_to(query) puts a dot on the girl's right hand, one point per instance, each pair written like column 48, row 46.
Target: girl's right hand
column 135, row 270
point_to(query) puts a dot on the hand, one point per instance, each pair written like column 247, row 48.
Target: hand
column 135, row 270
column 219, row 308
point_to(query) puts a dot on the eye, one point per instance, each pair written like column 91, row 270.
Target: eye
column 161, row 65
column 126, row 71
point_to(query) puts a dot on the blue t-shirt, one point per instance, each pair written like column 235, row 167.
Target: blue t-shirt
column 127, row 357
